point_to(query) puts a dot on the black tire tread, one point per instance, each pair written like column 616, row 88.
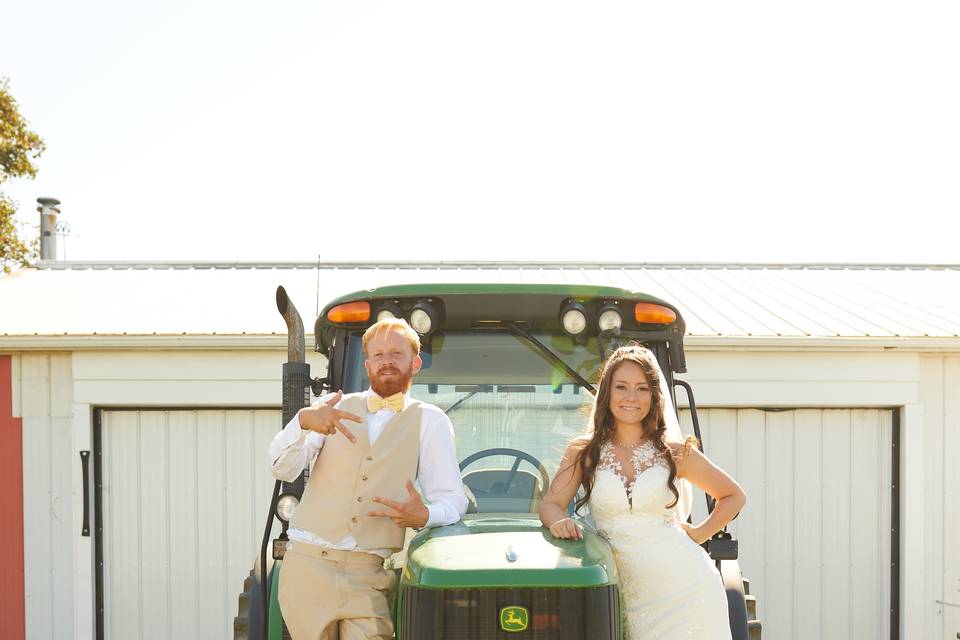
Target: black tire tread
column 241, row 623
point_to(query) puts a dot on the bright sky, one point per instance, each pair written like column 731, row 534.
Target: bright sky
column 522, row 130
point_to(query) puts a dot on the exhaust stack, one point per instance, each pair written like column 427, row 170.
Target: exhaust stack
column 49, row 210
column 296, row 372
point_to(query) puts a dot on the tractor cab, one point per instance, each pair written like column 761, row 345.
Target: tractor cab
column 514, row 368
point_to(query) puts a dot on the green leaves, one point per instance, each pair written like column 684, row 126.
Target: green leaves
column 19, row 147
column 13, row 251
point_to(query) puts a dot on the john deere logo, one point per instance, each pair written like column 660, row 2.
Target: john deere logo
column 514, row 618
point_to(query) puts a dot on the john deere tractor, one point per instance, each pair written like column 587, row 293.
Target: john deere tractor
column 514, row 368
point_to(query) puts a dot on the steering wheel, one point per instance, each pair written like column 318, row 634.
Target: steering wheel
column 520, row 457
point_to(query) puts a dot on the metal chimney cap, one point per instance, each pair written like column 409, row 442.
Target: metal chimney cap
column 48, row 202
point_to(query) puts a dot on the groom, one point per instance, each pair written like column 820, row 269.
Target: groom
column 333, row 583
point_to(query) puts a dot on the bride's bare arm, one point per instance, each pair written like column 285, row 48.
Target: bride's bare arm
column 553, row 511
column 729, row 496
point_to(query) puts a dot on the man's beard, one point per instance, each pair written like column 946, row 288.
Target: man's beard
column 398, row 383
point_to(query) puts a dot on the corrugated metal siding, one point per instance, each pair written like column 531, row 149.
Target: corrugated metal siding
column 727, row 300
column 11, row 505
column 951, row 495
column 49, row 529
column 185, row 498
column 940, row 394
column 815, row 535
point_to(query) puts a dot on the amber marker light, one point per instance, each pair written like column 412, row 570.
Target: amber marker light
column 349, row 313
column 649, row 313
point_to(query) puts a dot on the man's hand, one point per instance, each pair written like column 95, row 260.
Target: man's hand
column 412, row 513
column 323, row 418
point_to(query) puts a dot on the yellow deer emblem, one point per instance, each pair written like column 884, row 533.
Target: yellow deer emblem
column 514, row 618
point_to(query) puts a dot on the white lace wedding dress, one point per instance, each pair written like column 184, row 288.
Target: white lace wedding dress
column 671, row 588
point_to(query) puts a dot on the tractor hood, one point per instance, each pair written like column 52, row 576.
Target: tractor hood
column 506, row 550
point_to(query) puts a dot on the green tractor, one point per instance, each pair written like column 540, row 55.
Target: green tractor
column 512, row 367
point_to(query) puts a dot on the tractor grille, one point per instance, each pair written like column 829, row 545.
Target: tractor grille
column 474, row 614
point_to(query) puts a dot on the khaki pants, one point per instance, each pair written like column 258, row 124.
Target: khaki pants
column 330, row 595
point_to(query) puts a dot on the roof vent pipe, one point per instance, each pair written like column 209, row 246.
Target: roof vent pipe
column 49, row 210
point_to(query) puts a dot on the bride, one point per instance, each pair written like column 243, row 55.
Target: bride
column 635, row 472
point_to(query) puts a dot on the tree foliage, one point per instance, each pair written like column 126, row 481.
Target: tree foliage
column 19, row 147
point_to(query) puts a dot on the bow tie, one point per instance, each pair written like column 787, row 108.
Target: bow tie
column 394, row 402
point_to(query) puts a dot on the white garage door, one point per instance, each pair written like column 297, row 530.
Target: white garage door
column 815, row 535
column 185, row 498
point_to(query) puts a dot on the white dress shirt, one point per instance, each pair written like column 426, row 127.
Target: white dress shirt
column 438, row 472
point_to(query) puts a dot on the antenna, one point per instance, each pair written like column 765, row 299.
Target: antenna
column 63, row 231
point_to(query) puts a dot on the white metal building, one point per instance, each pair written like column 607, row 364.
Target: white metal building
column 831, row 392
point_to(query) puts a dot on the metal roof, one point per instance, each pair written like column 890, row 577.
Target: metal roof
column 719, row 300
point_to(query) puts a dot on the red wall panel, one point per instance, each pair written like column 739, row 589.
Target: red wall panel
column 11, row 509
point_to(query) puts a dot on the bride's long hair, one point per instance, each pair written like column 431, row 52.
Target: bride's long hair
column 601, row 426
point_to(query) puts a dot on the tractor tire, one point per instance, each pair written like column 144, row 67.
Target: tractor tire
column 741, row 606
column 248, row 624
column 754, row 627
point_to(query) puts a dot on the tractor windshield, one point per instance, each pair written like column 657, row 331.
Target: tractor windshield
column 514, row 408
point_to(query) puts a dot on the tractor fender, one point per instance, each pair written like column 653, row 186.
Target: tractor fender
column 736, row 602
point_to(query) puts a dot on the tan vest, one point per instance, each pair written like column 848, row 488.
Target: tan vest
column 347, row 475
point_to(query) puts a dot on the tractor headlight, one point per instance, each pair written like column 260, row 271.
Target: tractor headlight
column 389, row 311
column 423, row 318
column 610, row 319
column 574, row 319
column 286, row 505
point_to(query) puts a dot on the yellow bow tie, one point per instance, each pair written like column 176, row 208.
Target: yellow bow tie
column 394, row 402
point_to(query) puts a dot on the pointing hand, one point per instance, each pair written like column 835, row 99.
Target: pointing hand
column 412, row 513
column 324, row 418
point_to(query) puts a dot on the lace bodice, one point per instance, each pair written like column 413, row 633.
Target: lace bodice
column 631, row 486
column 643, row 458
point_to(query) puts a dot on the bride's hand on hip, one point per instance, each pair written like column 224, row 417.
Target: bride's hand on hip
column 566, row 528
column 694, row 532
